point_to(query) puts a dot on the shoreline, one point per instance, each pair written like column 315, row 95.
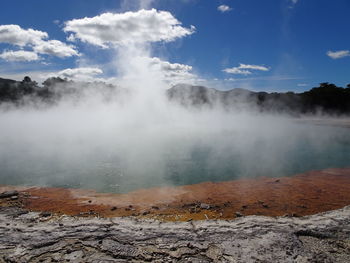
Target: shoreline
column 341, row 121
column 299, row 195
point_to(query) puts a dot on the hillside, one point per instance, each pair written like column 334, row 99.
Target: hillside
column 327, row 98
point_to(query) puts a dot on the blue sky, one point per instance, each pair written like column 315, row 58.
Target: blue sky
column 281, row 44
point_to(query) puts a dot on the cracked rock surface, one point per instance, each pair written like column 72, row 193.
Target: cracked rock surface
column 29, row 237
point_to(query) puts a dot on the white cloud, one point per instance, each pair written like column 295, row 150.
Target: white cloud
column 169, row 67
column 125, row 28
column 254, row 67
column 224, row 8
column 15, row 35
column 36, row 40
column 338, row 54
column 19, row 55
column 82, row 74
column 236, row 70
column 55, row 48
column 294, row 1
column 169, row 72
column 244, row 69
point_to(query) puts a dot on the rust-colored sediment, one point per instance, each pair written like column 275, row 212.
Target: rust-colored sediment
column 303, row 194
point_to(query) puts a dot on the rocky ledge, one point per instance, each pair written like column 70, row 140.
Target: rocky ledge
column 39, row 237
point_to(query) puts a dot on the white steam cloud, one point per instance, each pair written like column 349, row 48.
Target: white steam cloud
column 130, row 27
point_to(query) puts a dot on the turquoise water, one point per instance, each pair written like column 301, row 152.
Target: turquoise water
column 173, row 160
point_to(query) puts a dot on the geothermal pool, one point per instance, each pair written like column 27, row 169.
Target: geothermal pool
column 110, row 153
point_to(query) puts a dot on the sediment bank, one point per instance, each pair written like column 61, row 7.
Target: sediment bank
column 304, row 194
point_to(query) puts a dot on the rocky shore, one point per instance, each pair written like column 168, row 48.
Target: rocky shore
column 34, row 237
column 303, row 218
column 300, row 195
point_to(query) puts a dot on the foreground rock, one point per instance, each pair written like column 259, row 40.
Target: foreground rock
column 29, row 237
column 8, row 194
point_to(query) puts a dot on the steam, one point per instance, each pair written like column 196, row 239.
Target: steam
column 140, row 139
column 125, row 146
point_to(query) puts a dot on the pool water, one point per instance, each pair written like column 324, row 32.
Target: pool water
column 114, row 161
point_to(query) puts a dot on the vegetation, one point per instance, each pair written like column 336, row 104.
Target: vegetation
column 327, row 98
column 52, row 90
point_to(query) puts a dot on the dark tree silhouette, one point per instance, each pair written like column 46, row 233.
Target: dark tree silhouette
column 327, row 97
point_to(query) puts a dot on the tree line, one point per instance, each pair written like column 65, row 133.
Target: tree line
column 327, row 97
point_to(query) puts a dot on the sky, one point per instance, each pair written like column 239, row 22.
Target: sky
column 261, row 45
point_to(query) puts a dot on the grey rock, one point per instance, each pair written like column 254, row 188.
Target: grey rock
column 238, row 214
column 8, row 194
column 205, row 206
column 319, row 238
column 45, row 214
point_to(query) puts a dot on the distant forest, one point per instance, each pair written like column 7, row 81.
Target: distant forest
column 327, row 98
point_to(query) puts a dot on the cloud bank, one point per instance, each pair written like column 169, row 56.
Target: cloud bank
column 35, row 40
